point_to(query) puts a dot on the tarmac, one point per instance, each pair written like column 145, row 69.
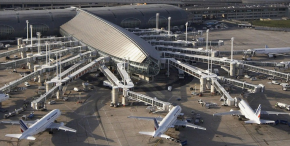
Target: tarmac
column 99, row 124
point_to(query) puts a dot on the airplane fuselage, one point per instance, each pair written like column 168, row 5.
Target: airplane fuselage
column 42, row 124
column 268, row 51
column 247, row 111
column 168, row 121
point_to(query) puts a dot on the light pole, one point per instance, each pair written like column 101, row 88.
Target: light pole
column 49, row 53
column 186, row 24
column 46, row 51
column 207, row 48
column 38, row 36
column 59, row 66
column 157, row 21
column 27, row 22
column 232, row 48
column 169, row 18
column 31, row 36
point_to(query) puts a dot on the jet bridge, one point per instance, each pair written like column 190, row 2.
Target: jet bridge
column 161, row 105
column 11, row 52
column 198, row 58
column 19, row 62
column 39, row 102
column 160, row 37
column 199, row 51
column 179, row 43
column 223, row 62
column 121, row 67
column 44, row 68
column 110, row 76
column 194, row 71
column 51, row 39
column 266, row 71
column 244, row 85
column 228, row 98
column 68, row 71
column 75, row 75
column 260, row 63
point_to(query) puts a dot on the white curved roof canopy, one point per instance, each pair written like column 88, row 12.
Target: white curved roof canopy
column 108, row 37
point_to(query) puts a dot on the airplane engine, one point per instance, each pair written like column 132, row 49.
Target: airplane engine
column 231, row 111
column 270, row 55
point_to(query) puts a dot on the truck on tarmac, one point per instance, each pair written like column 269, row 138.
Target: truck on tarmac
column 282, row 105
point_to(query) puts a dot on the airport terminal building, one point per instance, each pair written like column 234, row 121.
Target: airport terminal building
column 100, row 29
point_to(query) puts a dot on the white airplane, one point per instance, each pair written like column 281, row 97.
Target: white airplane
column 249, row 113
column 169, row 121
column 46, row 122
column 271, row 52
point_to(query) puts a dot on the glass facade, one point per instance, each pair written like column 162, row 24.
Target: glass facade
column 152, row 21
column 6, row 30
column 39, row 28
column 130, row 23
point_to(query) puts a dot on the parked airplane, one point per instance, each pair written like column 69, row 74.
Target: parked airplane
column 249, row 113
column 271, row 52
column 169, row 121
column 46, row 122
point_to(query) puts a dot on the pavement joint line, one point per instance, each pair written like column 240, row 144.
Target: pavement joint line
column 110, row 123
column 90, row 128
column 100, row 122
column 83, row 117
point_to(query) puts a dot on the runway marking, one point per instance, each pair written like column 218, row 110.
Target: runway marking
column 157, row 142
column 110, row 123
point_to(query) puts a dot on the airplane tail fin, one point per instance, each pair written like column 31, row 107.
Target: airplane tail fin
column 156, row 126
column 258, row 111
column 266, row 46
column 18, row 136
column 22, row 126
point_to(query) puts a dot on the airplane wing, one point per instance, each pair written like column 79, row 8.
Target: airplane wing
column 152, row 133
column 184, row 123
column 146, row 118
column 277, row 54
column 267, row 121
column 229, row 113
column 60, row 126
column 274, row 113
column 29, row 123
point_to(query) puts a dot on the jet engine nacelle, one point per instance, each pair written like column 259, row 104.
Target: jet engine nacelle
column 231, row 111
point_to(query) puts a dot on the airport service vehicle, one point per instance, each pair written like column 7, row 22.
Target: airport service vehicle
column 46, row 122
column 206, row 104
column 270, row 52
column 275, row 82
column 4, row 97
column 51, row 102
column 26, row 84
column 76, row 89
column 283, row 105
column 249, row 113
column 169, row 121
column 169, row 88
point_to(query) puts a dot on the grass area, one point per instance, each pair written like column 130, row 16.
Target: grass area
column 272, row 23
